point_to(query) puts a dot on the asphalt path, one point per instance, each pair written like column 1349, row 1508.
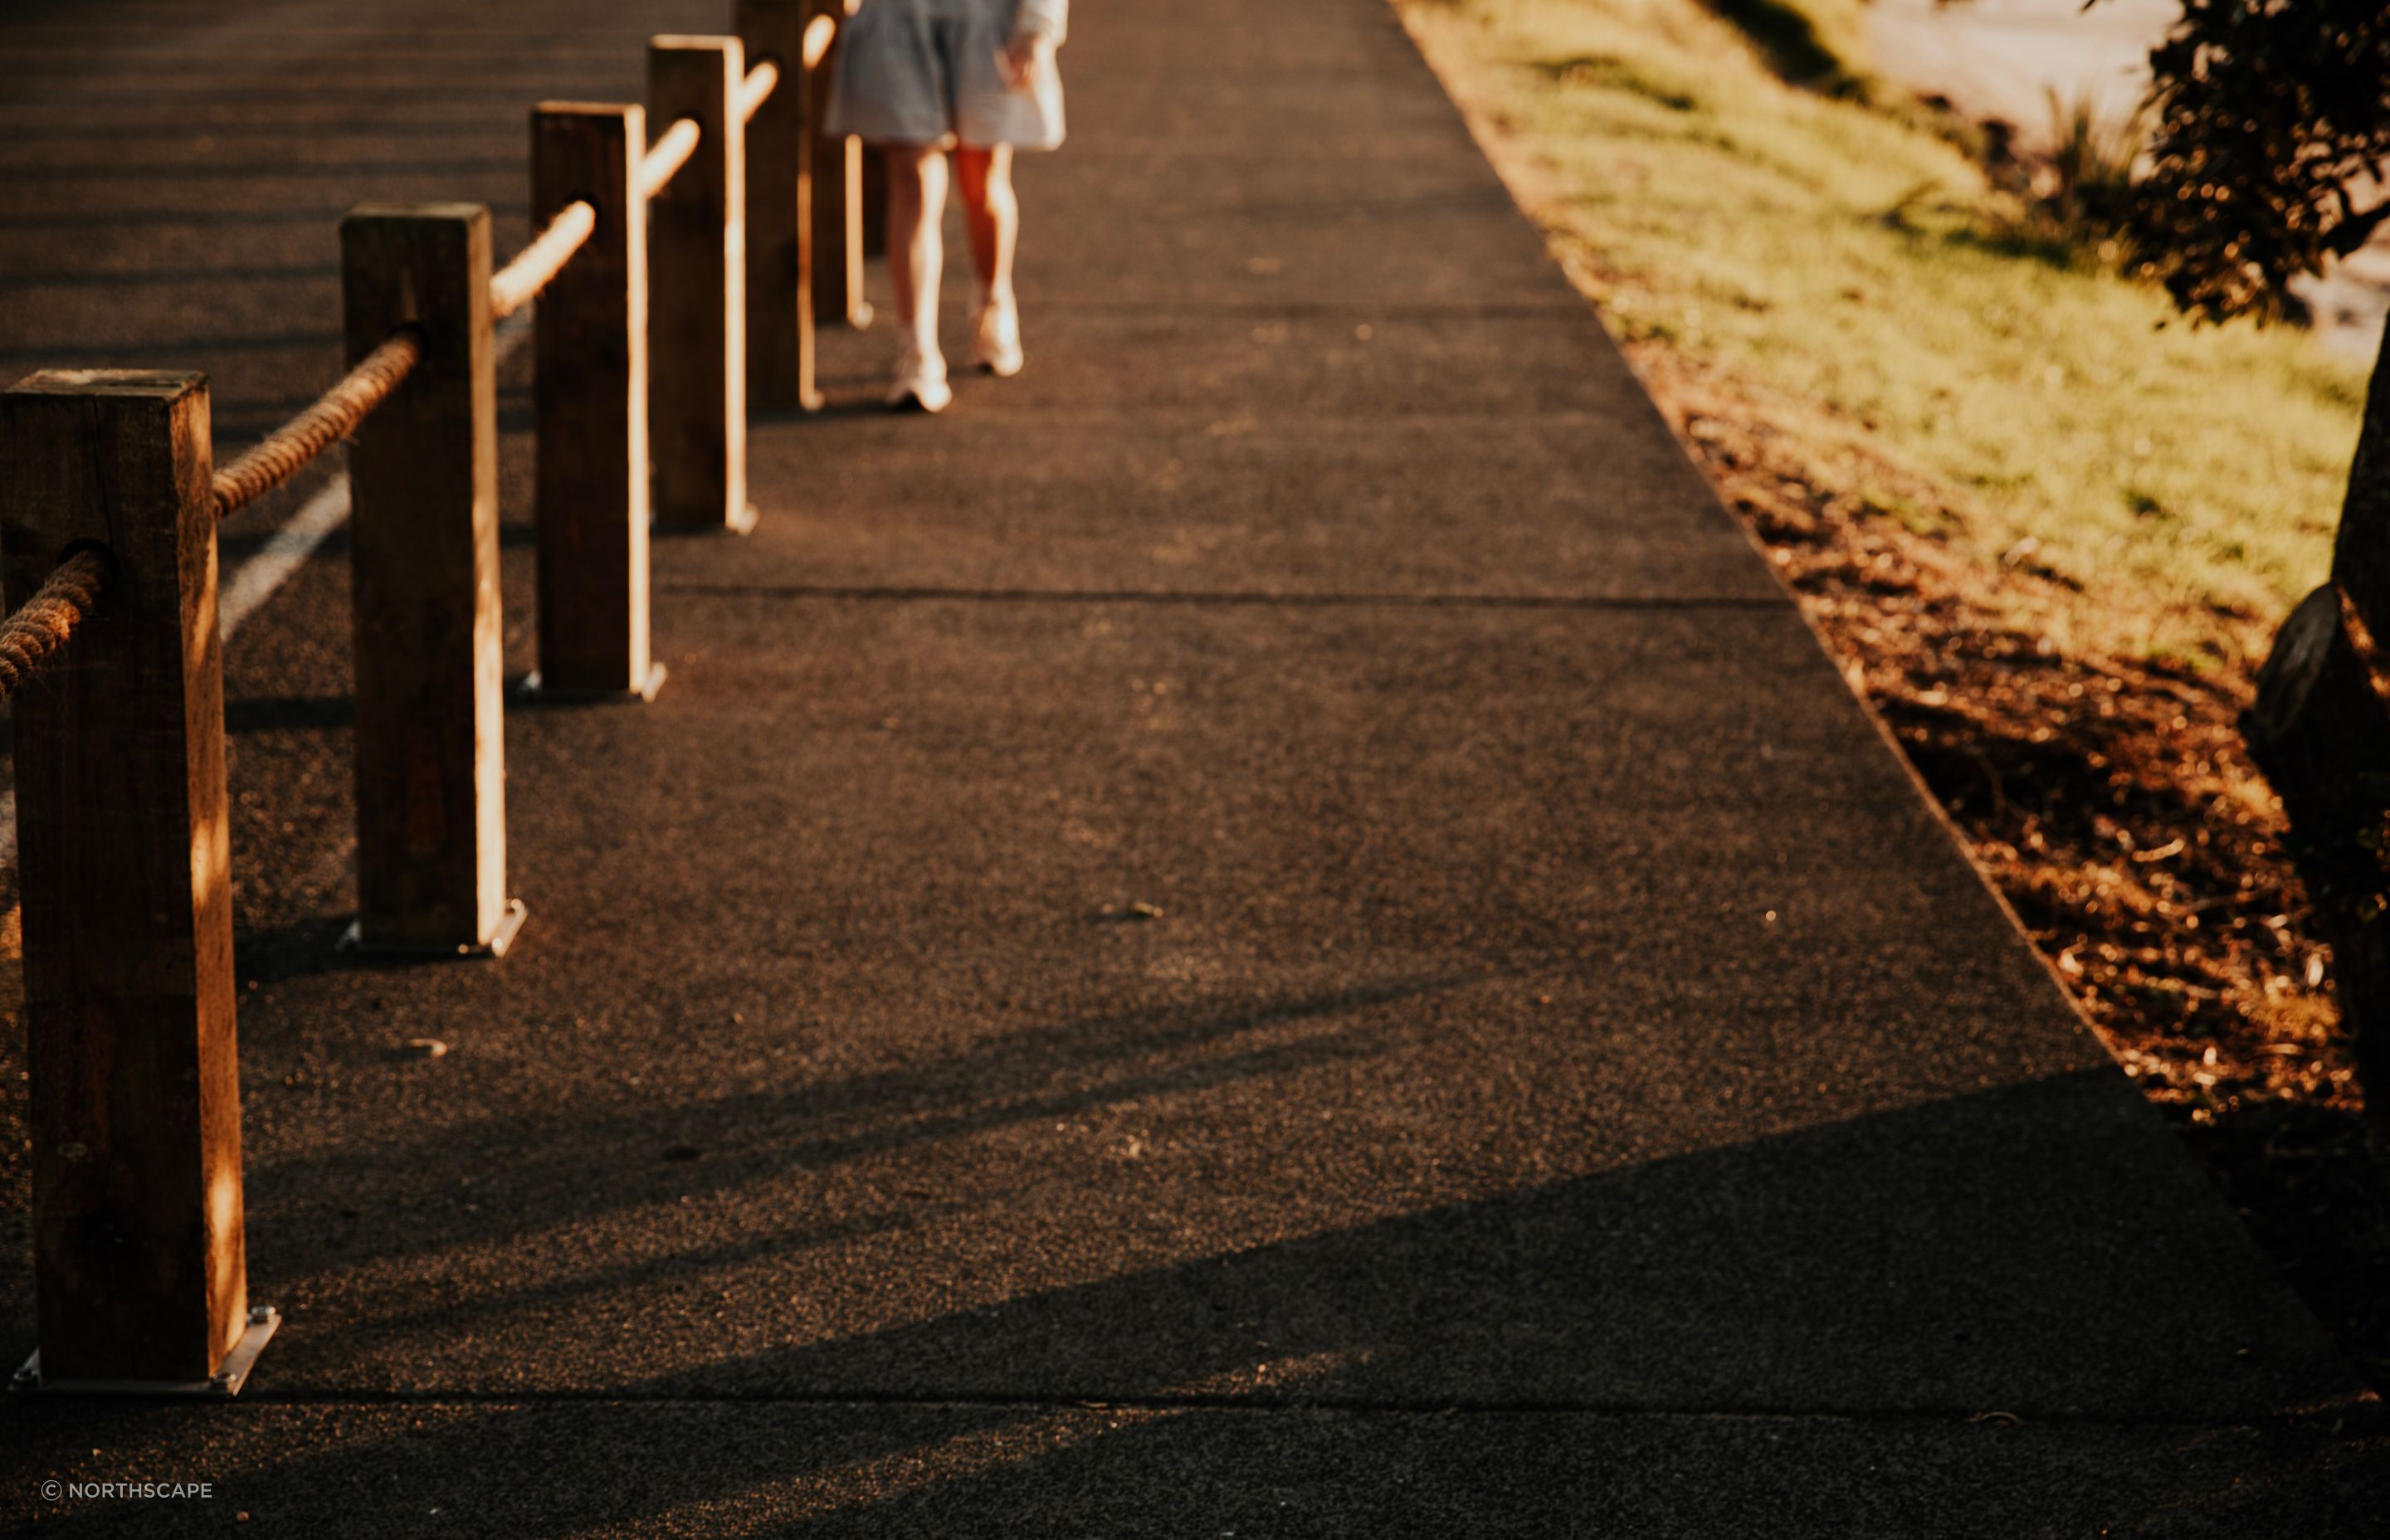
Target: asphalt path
column 1276, row 927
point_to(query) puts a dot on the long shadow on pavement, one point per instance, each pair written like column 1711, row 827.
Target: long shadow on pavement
column 1665, row 1349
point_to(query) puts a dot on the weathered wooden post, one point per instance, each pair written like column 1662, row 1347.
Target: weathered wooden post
column 590, row 393
column 836, row 192
column 697, row 322
column 423, row 474
column 874, row 196
column 780, row 340
column 140, row 1273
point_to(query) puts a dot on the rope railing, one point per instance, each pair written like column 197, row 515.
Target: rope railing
column 666, row 156
column 34, row 634
column 757, row 88
column 288, row 449
column 537, row 265
column 640, row 414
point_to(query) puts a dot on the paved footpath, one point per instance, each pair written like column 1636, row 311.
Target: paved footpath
column 1274, row 930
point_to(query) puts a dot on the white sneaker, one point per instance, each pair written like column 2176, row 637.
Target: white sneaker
column 920, row 383
column 995, row 341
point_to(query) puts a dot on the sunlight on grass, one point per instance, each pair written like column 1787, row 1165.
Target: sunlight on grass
column 1842, row 261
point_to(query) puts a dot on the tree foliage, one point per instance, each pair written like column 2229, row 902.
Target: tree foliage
column 2270, row 148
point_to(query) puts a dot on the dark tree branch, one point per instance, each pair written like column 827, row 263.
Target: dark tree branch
column 2356, row 226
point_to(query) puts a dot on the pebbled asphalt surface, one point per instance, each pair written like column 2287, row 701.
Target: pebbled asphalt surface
column 1274, row 929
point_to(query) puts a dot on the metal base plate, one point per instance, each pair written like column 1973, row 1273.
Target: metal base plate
column 533, row 688
column 740, row 523
column 222, row 1385
column 511, row 925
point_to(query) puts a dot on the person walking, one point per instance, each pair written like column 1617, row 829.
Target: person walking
column 923, row 79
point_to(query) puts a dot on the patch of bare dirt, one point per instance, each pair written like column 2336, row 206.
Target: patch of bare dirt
column 2112, row 802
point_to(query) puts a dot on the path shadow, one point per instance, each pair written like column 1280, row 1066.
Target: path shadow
column 558, row 1170
column 1803, row 1324
column 297, row 713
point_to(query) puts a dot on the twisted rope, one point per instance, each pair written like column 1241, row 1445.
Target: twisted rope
column 666, row 156
column 537, row 265
column 286, row 451
column 33, row 635
column 757, row 88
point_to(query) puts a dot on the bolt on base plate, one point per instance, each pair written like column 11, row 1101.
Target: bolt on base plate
column 532, row 687
column 511, row 925
column 222, row 1385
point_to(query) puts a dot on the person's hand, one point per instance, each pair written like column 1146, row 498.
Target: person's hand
column 1020, row 59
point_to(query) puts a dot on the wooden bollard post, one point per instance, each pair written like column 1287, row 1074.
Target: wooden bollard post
column 874, row 214
column 140, row 1273
column 697, row 322
column 423, row 474
column 836, row 193
column 780, row 341
column 590, row 394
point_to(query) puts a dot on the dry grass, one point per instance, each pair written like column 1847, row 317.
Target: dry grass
column 1854, row 271
column 2046, row 536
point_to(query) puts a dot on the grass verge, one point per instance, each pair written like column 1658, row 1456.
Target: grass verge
column 2046, row 526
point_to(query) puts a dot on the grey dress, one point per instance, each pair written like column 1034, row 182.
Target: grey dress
column 925, row 73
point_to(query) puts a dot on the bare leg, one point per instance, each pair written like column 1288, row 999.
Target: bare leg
column 916, row 207
column 993, row 215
